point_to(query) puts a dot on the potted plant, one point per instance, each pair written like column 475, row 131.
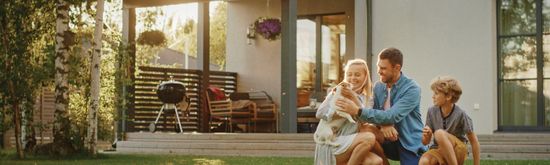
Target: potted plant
column 269, row 28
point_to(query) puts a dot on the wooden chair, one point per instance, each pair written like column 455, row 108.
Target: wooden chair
column 223, row 110
column 265, row 111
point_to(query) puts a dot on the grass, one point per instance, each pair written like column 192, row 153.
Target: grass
column 8, row 157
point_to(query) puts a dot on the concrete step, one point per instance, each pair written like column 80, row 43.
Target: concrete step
column 505, row 137
column 485, row 148
column 218, row 136
column 515, row 156
column 218, row 145
column 220, row 152
column 224, row 141
column 498, row 146
column 514, row 143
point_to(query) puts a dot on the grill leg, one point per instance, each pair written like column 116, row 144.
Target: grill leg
column 158, row 116
column 178, row 117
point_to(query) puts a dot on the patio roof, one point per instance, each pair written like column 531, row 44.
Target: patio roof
column 150, row 3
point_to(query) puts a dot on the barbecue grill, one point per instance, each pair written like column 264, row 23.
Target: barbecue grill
column 170, row 93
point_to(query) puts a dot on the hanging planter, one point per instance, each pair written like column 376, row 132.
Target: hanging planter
column 152, row 38
column 269, row 28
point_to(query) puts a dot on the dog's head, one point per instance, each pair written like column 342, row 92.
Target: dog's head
column 344, row 85
column 344, row 89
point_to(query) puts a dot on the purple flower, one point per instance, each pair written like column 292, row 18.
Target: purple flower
column 269, row 28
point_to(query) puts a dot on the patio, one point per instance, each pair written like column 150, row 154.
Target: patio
column 248, row 56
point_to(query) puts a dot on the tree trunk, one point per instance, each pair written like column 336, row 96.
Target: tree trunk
column 95, row 80
column 64, row 39
column 17, row 120
column 28, row 125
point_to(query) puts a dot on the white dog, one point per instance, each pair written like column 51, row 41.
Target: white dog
column 325, row 130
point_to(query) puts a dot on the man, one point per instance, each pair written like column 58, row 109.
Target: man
column 396, row 101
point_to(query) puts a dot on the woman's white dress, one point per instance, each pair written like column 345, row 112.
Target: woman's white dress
column 325, row 154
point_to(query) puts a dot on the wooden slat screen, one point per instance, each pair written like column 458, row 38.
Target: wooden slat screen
column 147, row 105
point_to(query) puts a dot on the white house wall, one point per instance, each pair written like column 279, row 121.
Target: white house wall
column 258, row 65
column 444, row 37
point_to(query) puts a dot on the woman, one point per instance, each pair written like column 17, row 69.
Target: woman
column 354, row 146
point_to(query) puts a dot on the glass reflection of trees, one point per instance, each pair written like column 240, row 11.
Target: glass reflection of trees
column 518, row 44
column 518, row 61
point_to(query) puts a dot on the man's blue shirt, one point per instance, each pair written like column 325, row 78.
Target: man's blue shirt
column 404, row 111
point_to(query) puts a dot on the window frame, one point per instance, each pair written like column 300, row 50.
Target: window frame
column 540, row 102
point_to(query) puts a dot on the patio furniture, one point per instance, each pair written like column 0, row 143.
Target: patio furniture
column 228, row 111
column 265, row 110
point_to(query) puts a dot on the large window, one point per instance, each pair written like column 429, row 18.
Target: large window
column 320, row 51
column 524, row 64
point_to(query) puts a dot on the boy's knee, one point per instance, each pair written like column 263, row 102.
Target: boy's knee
column 423, row 161
column 440, row 133
column 426, row 160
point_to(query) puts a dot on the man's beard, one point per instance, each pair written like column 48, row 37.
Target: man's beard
column 388, row 79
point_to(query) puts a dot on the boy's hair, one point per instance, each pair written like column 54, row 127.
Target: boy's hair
column 394, row 55
column 448, row 86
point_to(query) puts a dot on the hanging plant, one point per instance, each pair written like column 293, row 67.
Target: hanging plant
column 152, row 38
column 269, row 28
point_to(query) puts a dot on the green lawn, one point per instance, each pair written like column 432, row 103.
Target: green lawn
column 8, row 157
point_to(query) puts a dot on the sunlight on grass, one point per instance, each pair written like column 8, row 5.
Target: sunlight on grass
column 205, row 161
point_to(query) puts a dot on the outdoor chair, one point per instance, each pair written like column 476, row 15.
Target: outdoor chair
column 227, row 111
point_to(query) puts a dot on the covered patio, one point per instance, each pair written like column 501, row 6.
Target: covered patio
column 253, row 63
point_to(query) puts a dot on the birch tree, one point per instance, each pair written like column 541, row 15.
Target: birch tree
column 64, row 39
column 95, row 79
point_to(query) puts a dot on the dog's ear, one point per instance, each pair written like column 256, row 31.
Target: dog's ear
column 343, row 83
column 348, row 93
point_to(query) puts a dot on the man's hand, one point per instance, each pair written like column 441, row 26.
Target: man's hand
column 347, row 106
column 426, row 135
column 389, row 132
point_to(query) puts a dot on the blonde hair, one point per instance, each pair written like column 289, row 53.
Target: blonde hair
column 448, row 86
column 367, row 85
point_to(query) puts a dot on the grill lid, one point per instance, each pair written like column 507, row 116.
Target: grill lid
column 171, row 91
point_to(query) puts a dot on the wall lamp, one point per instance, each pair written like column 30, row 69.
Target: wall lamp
column 250, row 34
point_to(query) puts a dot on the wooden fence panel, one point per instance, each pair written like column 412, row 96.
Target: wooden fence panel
column 147, row 105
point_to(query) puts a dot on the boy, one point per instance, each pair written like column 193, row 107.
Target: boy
column 449, row 125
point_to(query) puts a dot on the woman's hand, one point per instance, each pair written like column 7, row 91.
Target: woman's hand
column 347, row 106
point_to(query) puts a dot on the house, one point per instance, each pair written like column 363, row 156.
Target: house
column 494, row 48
